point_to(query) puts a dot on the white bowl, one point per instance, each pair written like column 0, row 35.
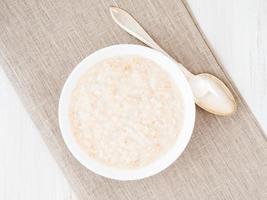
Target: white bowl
column 164, row 161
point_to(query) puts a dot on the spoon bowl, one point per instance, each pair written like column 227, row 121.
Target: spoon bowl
column 212, row 95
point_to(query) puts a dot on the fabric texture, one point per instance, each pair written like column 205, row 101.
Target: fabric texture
column 42, row 41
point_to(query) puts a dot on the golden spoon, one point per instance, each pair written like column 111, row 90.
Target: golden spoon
column 210, row 93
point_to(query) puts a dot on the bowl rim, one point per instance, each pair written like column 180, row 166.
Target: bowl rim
column 178, row 78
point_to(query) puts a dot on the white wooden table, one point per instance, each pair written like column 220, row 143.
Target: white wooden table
column 237, row 33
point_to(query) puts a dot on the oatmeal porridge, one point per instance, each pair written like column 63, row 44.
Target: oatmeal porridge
column 126, row 112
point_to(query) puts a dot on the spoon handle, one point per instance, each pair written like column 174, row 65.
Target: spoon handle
column 130, row 25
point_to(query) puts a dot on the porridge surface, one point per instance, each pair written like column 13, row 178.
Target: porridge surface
column 126, row 112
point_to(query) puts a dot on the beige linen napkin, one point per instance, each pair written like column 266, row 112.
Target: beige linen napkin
column 42, row 41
